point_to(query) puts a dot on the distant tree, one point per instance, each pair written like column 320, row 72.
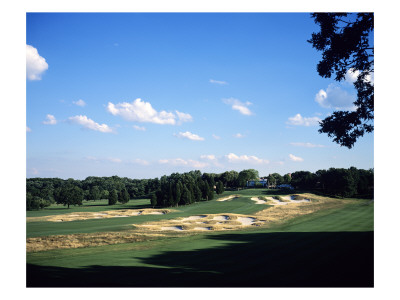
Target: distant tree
column 123, row 196
column 246, row 175
column 94, row 193
column 178, row 193
column 197, row 193
column 205, row 190
column 186, row 196
column 287, row 179
column 112, row 197
column 69, row 195
column 347, row 46
column 220, row 187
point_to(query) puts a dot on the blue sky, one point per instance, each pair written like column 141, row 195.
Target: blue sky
column 147, row 94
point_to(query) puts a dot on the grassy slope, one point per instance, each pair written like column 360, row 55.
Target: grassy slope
column 326, row 249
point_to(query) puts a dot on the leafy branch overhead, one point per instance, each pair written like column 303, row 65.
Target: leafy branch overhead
column 346, row 42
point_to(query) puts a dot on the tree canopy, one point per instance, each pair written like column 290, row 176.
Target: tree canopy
column 347, row 45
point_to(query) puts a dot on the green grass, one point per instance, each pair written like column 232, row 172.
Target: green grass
column 328, row 248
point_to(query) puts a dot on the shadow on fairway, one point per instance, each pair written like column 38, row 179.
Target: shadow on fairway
column 299, row 259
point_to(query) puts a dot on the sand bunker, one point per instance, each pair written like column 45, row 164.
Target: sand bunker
column 79, row 216
column 246, row 220
column 208, row 222
column 221, row 218
column 193, row 218
column 228, row 198
column 258, row 201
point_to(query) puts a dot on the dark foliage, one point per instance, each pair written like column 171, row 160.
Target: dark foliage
column 346, row 45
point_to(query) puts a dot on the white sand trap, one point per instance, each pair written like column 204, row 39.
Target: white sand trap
column 246, row 220
column 73, row 215
column 202, row 228
column 172, row 228
column 220, row 218
column 156, row 213
column 227, row 198
column 200, row 222
column 136, row 213
column 192, row 218
column 98, row 214
column 258, row 201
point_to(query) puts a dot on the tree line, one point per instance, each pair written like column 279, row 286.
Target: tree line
column 173, row 190
column 186, row 188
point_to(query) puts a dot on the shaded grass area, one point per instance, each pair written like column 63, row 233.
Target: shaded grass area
column 291, row 259
column 332, row 249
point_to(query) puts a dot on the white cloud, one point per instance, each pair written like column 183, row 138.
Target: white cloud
column 182, row 162
column 239, row 106
column 233, row 158
column 216, row 137
column 298, row 120
column 28, row 129
column 50, row 120
column 295, row 158
column 307, row 145
column 208, row 157
column 80, row 102
column 335, row 97
column 218, row 82
column 239, row 135
column 35, row 64
column 351, row 76
column 90, row 124
column 183, row 117
column 140, row 111
column 108, row 159
column 189, row 135
column 140, row 128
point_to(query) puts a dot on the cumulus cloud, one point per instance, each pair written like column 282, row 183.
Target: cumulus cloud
column 183, row 162
column 298, row 120
column 233, row 158
column 307, row 145
column 28, row 129
column 141, row 111
column 35, row 64
column 140, row 128
column 239, row 106
column 85, row 122
column 295, row 158
column 335, row 97
column 189, row 135
column 80, row 102
column 218, row 82
column 50, row 120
